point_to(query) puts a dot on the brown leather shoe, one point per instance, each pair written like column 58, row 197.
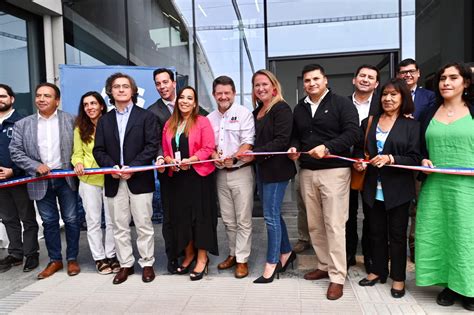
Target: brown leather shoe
column 73, row 268
column 123, row 274
column 148, row 274
column 334, row 291
column 50, row 269
column 227, row 263
column 242, row 270
column 316, row 275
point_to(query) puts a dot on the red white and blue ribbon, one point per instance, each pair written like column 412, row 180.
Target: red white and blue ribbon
column 426, row 169
column 134, row 169
column 91, row 171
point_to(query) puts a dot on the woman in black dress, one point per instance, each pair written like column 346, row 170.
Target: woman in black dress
column 188, row 137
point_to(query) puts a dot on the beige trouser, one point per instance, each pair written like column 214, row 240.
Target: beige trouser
column 326, row 196
column 235, row 191
column 122, row 207
column 303, row 234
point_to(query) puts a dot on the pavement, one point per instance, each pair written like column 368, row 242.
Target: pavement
column 218, row 293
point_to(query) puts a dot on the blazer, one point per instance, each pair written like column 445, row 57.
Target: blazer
column 201, row 142
column 25, row 152
column 162, row 112
column 272, row 134
column 82, row 153
column 140, row 147
column 424, row 99
column 374, row 108
column 403, row 142
column 6, row 134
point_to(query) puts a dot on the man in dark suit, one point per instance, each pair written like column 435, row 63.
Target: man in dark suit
column 126, row 137
column 365, row 99
column 166, row 86
column 16, row 208
column 408, row 70
column 163, row 108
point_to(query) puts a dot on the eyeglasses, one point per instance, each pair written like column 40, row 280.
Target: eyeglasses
column 411, row 72
column 118, row 86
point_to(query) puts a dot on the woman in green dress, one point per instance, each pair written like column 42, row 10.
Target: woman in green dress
column 445, row 217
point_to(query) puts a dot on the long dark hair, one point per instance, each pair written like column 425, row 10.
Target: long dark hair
column 465, row 72
column 407, row 107
column 177, row 118
column 83, row 122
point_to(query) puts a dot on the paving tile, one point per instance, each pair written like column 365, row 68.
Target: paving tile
column 218, row 293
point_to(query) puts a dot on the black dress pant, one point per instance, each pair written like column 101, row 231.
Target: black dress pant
column 352, row 239
column 16, row 208
column 388, row 235
column 166, row 227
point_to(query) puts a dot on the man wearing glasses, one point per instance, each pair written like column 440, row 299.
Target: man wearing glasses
column 125, row 137
column 408, row 70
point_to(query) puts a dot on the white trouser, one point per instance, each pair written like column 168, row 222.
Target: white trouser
column 122, row 207
column 92, row 199
column 235, row 191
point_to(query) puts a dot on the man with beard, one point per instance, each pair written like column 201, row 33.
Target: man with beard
column 16, row 208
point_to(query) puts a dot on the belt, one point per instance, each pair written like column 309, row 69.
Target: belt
column 236, row 168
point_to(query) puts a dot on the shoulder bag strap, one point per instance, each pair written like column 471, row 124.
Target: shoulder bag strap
column 369, row 124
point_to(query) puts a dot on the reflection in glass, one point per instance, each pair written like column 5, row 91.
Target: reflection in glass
column 229, row 42
column 96, row 29
column 157, row 35
column 14, row 60
column 335, row 27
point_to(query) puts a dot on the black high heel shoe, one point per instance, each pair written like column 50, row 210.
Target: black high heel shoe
column 291, row 259
column 194, row 275
column 182, row 270
column 262, row 279
column 368, row 283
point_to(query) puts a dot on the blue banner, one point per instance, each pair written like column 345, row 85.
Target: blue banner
column 77, row 80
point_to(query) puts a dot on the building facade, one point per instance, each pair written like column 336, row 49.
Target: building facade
column 203, row 39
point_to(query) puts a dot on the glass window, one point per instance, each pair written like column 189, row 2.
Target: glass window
column 14, row 60
column 157, row 35
column 96, row 30
column 324, row 27
column 230, row 41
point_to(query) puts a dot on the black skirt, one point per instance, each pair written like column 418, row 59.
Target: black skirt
column 192, row 208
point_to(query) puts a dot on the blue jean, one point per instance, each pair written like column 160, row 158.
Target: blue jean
column 48, row 210
column 271, row 195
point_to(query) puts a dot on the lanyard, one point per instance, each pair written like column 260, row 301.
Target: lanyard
column 179, row 132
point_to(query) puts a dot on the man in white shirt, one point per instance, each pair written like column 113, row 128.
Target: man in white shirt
column 365, row 100
column 43, row 142
column 234, row 130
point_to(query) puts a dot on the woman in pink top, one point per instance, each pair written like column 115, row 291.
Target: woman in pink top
column 188, row 137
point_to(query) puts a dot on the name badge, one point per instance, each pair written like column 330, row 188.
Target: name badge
column 177, row 156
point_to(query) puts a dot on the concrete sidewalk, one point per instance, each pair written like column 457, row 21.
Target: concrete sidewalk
column 219, row 292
